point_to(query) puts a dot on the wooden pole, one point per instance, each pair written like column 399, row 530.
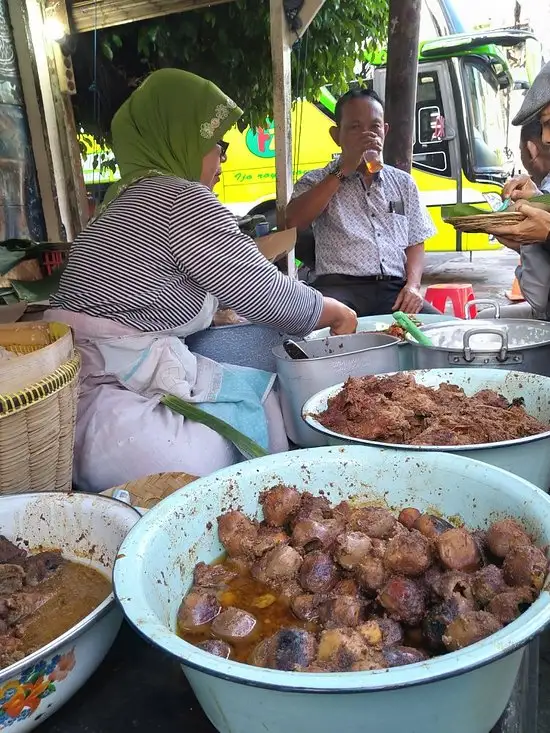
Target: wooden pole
column 401, row 81
column 281, row 49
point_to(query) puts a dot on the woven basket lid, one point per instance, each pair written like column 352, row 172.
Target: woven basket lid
column 146, row 492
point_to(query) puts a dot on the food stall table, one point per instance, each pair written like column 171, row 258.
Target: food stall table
column 140, row 689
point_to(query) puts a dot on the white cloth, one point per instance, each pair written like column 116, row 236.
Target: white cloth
column 123, row 433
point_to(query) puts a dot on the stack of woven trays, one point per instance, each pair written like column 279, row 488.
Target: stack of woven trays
column 148, row 491
column 38, row 402
column 482, row 223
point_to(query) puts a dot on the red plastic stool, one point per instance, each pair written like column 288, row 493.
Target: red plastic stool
column 460, row 294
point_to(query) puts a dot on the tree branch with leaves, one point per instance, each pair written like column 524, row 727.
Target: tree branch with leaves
column 228, row 44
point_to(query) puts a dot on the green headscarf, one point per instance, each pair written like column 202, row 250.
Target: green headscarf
column 167, row 126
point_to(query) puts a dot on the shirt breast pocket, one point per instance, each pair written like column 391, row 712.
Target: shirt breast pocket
column 397, row 228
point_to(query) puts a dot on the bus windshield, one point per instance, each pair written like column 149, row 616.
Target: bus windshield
column 486, row 118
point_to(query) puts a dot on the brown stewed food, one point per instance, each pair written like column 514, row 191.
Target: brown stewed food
column 396, row 409
column 322, row 588
column 42, row 596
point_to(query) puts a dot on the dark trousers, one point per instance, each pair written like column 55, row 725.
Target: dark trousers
column 367, row 296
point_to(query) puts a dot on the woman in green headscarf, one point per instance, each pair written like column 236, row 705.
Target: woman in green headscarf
column 151, row 269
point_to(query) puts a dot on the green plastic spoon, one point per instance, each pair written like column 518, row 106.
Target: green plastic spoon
column 405, row 322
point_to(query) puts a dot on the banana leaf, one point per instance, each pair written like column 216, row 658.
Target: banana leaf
column 38, row 290
column 248, row 447
column 452, row 210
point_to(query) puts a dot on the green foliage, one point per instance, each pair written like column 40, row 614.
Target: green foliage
column 228, row 44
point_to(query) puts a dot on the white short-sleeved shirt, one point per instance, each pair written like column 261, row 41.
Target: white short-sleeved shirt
column 366, row 231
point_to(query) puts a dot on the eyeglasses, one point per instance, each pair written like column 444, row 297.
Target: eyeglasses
column 223, row 147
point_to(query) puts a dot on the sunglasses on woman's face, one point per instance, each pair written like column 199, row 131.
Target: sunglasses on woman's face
column 223, row 147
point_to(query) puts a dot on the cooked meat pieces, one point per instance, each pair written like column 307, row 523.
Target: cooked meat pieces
column 212, row 576
column 392, row 632
column 408, row 517
column 14, row 609
column 198, row 608
column 318, row 573
column 216, row 647
column 526, row 566
column 437, row 620
column 11, row 650
column 237, row 533
column 458, row 550
column 506, row 535
column 452, row 584
column 470, row 628
column 287, row 650
column 371, row 574
column 398, row 410
column 312, row 507
column 279, row 504
column 10, row 553
column 341, row 648
column 350, row 587
column 408, row 554
column 41, row 566
column 278, row 565
column 12, row 578
column 341, row 611
column 234, row 625
column 351, row 548
column 430, row 526
column 488, row 583
column 267, row 539
column 306, row 606
column 398, row 656
column 375, row 522
column 404, row 600
column 313, row 534
column 509, row 606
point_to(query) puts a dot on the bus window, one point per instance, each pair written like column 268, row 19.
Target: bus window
column 431, row 149
column 485, row 118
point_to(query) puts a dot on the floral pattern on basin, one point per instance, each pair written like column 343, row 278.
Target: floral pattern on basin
column 20, row 698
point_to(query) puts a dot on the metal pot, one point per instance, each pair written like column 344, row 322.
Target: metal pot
column 426, row 697
column 331, row 360
column 381, row 323
column 526, row 457
column 501, row 343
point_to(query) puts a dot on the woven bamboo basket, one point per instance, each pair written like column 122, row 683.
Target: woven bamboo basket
column 148, row 491
column 37, row 426
column 41, row 348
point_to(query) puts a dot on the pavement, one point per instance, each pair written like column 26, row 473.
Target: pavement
column 491, row 275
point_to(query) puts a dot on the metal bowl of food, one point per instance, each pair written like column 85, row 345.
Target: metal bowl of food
column 528, row 457
column 58, row 615
column 156, row 565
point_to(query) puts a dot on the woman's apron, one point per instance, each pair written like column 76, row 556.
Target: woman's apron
column 123, row 433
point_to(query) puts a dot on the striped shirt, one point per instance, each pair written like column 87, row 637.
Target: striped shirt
column 151, row 258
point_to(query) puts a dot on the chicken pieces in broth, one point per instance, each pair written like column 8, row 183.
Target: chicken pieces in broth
column 321, row 588
column 42, row 596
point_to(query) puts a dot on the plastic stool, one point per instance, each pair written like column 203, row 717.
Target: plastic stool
column 460, row 294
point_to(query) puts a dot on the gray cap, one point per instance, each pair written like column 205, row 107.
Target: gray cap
column 536, row 99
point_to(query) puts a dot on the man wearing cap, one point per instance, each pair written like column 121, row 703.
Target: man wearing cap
column 536, row 226
column 533, row 233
